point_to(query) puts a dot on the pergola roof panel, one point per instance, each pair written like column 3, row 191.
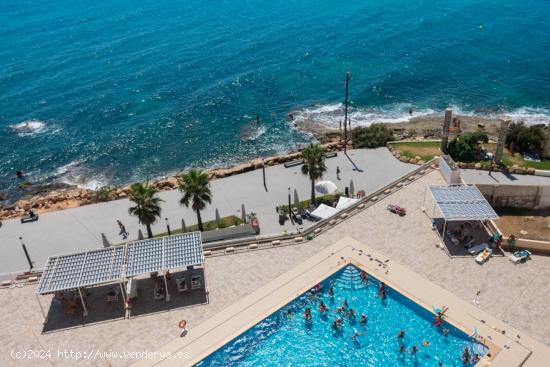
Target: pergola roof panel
column 462, row 203
column 115, row 263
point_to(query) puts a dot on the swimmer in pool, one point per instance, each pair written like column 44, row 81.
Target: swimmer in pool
column 363, row 320
column 322, row 308
column 331, row 292
column 401, row 335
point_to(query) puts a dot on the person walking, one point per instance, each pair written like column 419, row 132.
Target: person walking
column 338, row 173
column 123, row 231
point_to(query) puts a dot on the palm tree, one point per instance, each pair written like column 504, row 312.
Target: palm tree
column 147, row 207
column 196, row 192
column 314, row 165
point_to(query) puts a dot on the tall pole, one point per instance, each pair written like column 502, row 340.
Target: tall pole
column 168, row 227
column 290, row 207
column 263, row 173
column 26, row 253
column 346, row 114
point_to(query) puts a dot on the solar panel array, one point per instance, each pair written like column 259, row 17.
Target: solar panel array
column 462, row 203
column 114, row 263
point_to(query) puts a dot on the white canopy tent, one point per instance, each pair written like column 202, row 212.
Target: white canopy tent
column 324, row 211
column 345, row 202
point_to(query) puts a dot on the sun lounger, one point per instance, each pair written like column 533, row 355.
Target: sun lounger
column 474, row 250
column 520, row 256
column 483, row 256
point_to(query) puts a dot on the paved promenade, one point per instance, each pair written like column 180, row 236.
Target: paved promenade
column 516, row 294
column 473, row 176
column 80, row 228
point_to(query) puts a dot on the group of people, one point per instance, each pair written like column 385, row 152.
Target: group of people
column 467, row 359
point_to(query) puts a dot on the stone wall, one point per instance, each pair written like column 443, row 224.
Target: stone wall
column 518, row 196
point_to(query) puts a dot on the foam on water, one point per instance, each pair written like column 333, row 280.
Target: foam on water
column 28, row 127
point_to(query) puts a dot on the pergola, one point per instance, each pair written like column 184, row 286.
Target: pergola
column 460, row 203
column 117, row 264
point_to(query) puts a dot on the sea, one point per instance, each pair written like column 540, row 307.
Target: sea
column 96, row 93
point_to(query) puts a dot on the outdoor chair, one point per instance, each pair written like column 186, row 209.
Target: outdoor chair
column 112, row 296
column 181, row 283
column 196, row 282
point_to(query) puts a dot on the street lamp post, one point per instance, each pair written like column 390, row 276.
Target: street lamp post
column 263, row 173
column 346, row 114
column 26, row 253
column 289, row 207
column 168, row 227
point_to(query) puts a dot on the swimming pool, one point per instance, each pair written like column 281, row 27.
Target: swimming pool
column 285, row 338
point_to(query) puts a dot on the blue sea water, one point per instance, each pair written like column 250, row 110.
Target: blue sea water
column 110, row 92
column 282, row 340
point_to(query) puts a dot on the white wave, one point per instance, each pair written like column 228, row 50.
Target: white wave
column 254, row 133
column 530, row 115
column 331, row 115
column 77, row 174
column 28, row 127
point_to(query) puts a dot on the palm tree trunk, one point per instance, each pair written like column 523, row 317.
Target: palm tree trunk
column 313, row 192
column 199, row 221
column 149, row 231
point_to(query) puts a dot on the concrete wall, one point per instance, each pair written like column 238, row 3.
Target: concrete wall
column 518, row 196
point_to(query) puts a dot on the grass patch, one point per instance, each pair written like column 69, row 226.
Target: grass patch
column 225, row 222
column 325, row 199
column 423, row 149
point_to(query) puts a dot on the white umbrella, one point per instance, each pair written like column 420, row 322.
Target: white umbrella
column 326, row 187
column 296, row 199
column 105, row 241
column 351, row 188
column 243, row 214
column 218, row 218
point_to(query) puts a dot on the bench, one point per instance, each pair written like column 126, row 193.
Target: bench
column 29, row 219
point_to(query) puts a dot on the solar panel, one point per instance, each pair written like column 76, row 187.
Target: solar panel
column 106, row 265
column 462, row 203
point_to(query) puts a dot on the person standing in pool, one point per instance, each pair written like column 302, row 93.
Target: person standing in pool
column 363, row 320
column 382, row 291
column 401, row 335
column 414, row 350
column 330, row 292
column 466, row 356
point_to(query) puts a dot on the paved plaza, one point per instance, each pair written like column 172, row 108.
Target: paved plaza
column 80, row 229
column 516, row 294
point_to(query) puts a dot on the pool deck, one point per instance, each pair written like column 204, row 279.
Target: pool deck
column 517, row 295
column 504, row 350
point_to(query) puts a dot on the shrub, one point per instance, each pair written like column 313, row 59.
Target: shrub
column 525, row 139
column 103, row 194
column 465, row 148
column 374, row 136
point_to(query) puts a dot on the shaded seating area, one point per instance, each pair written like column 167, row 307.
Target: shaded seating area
column 458, row 215
column 118, row 282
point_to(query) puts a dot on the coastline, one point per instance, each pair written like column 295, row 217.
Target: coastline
column 53, row 200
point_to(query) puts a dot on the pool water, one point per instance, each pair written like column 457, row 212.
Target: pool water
column 289, row 340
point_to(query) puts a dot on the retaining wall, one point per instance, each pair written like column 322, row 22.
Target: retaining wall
column 518, row 196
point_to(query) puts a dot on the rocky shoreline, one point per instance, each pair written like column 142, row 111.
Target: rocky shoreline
column 75, row 197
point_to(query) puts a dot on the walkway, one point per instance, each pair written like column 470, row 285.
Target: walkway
column 80, row 228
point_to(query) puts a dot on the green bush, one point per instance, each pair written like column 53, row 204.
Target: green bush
column 466, row 148
column 374, row 136
column 525, row 139
column 103, row 194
